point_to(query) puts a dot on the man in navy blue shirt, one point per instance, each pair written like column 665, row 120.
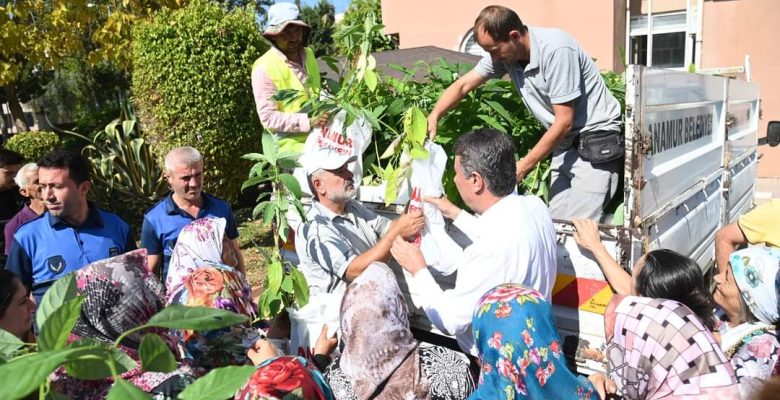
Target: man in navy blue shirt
column 72, row 233
column 187, row 202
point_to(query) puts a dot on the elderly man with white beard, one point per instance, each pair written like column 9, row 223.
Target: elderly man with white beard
column 341, row 237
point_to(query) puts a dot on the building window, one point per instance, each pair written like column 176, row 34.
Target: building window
column 668, row 47
column 469, row 44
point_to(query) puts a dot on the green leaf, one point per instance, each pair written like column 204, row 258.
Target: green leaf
column 177, row 316
column 95, row 365
column 9, row 344
column 492, row 122
column 275, row 275
column 220, row 383
column 268, row 213
column 24, row 374
column 260, row 208
column 291, row 184
column 500, row 110
column 252, row 182
column 55, row 331
column 287, row 284
column 270, row 147
column 254, row 157
column 415, row 125
column 155, row 354
column 300, row 286
column 418, row 152
column 61, row 291
column 124, row 390
column 371, row 80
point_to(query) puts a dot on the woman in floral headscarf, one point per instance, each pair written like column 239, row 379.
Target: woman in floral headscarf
column 197, row 278
column 285, row 377
column 200, row 242
column 381, row 359
column 659, row 349
column 748, row 294
column 520, row 351
column 120, row 294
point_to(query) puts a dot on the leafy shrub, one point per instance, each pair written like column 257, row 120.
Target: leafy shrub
column 33, row 145
column 191, row 86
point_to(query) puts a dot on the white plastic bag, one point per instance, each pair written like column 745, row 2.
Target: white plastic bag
column 306, row 323
column 439, row 250
column 332, row 136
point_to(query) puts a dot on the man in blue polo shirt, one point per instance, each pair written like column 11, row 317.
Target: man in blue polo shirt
column 72, row 234
column 187, row 202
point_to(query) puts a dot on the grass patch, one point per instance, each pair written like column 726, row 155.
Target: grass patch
column 254, row 239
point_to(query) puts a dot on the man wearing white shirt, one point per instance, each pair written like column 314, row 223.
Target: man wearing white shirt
column 513, row 238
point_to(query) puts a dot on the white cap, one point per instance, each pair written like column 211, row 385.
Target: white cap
column 281, row 14
column 325, row 158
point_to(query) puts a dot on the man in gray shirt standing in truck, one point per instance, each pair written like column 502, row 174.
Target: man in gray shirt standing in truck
column 562, row 88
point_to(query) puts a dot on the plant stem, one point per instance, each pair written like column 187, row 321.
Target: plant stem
column 124, row 335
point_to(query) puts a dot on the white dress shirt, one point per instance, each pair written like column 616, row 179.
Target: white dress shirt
column 512, row 242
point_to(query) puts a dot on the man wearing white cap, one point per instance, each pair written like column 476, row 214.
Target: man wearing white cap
column 342, row 237
column 288, row 64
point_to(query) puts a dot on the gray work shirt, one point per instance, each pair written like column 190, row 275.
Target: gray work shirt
column 559, row 71
column 328, row 242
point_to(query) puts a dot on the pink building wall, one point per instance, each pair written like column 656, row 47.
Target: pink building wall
column 598, row 25
column 732, row 29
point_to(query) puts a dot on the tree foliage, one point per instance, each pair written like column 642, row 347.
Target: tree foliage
column 321, row 18
column 39, row 35
column 259, row 6
column 357, row 13
column 191, row 86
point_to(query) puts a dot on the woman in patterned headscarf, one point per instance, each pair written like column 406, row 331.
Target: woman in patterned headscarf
column 198, row 278
column 120, row 294
column 659, row 349
column 202, row 241
column 748, row 294
column 381, row 359
column 520, row 350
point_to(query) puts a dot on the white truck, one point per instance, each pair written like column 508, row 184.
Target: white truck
column 690, row 168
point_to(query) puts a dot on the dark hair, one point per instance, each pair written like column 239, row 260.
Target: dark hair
column 9, row 157
column 7, row 289
column 498, row 21
column 77, row 165
column 491, row 154
column 668, row 274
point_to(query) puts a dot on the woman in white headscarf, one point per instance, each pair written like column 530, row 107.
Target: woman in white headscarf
column 748, row 294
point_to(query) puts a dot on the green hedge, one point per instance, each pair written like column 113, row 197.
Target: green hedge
column 33, row 145
column 191, row 86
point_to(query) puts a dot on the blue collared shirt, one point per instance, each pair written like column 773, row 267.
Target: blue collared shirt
column 47, row 247
column 164, row 221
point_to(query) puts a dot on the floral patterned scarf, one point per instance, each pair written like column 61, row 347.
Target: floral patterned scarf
column 520, row 349
column 120, row 294
column 659, row 349
column 222, row 287
column 756, row 273
column 199, row 242
column 380, row 355
column 285, row 377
